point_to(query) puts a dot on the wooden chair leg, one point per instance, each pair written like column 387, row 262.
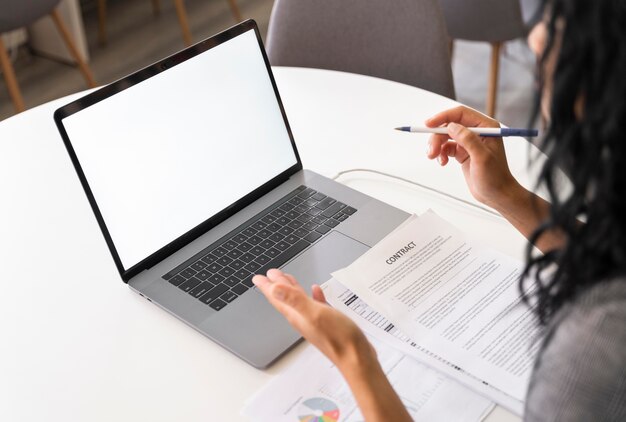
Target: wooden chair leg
column 102, row 18
column 492, row 90
column 11, row 80
column 234, row 8
column 65, row 34
column 182, row 18
column 156, row 7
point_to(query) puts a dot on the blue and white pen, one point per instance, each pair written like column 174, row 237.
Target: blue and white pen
column 481, row 131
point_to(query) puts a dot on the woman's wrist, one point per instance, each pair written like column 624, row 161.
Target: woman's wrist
column 374, row 394
column 511, row 198
column 356, row 356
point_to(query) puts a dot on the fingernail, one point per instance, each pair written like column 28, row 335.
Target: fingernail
column 440, row 160
column 279, row 293
column 454, row 128
column 429, row 150
column 275, row 271
column 254, row 280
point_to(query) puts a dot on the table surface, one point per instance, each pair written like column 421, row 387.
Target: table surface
column 79, row 345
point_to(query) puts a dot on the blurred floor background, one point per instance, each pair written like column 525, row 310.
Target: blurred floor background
column 137, row 38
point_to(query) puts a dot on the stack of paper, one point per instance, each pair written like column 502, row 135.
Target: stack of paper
column 313, row 390
column 443, row 313
column 457, row 300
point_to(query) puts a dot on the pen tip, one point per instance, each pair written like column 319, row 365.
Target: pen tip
column 401, row 128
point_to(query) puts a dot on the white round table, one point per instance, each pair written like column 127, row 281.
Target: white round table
column 79, row 345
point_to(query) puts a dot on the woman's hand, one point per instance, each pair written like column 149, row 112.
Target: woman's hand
column 483, row 160
column 333, row 333
column 487, row 173
column 340, row 340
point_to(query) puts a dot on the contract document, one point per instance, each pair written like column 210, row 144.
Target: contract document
column 312, row 389
column 454, row 298
column 377, row 326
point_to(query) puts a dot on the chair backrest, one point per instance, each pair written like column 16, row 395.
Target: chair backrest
column 531, row 12
column 484, row 20
column 18, row 13
column 400, row 40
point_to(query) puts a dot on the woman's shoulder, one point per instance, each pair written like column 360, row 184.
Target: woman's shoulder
column 580, row 372
column 605, row 297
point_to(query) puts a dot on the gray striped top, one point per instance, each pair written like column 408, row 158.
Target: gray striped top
column 580, row 371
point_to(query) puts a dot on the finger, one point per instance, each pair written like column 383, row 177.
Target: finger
column 442, row 159
column 264, row 284
column 291, row 279
column 449, row 149
column 277, row 276
column 261, row 282
column 294, row 298
column 274, row 274
column 278, row 295
column 461, row 154
column 462, row 115
column 434, row 145
column 468, row 140
column 453, row 149
column 318, row 293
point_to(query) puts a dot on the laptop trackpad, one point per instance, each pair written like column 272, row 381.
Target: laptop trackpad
column 333, row 252
column 252, row 328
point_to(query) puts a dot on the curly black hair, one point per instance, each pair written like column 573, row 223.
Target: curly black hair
column 586, row 140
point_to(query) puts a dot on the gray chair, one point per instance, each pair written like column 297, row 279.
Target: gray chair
column 493, row 21
column 15, row 14
column 400, row 40
column 156, row 7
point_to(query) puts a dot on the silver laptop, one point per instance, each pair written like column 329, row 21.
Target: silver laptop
column 193, row 174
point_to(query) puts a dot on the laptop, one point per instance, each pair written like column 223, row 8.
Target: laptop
column 194, row 177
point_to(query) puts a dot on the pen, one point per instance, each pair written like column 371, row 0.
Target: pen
column 481, row 131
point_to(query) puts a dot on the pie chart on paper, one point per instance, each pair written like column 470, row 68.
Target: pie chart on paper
column 318, row 410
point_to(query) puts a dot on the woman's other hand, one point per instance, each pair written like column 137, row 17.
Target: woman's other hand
column 333, row 333
column 340, row 340
column 483, row 160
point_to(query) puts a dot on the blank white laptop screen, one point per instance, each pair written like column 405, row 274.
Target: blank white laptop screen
column 166, row 154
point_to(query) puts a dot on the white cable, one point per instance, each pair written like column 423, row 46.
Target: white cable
column 428, row 188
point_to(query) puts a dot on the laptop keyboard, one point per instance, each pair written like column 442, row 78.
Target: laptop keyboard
column 224, row 270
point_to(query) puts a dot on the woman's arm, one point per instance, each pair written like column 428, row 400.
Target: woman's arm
column 338, row 337
column 374, row 394
column 484, row 165
column 526, row 211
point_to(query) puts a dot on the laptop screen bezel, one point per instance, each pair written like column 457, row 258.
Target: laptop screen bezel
column 138, row 77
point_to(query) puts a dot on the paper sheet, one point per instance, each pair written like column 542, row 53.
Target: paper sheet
column 456, row 299
column 380, row 328
column 312, row 389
